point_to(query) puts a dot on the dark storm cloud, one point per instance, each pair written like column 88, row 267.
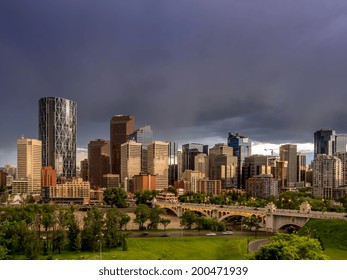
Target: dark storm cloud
column 273, row 70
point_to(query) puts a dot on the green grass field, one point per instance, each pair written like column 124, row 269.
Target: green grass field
column 171, row 248
column 333, row 236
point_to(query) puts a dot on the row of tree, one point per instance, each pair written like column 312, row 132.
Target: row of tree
column 286, row 200
column 35, row 230
column 150, row 216
column 190, row 219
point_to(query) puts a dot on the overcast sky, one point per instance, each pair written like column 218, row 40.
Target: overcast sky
column 275, row 71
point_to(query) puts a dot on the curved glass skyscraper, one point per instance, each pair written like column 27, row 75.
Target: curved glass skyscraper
column 57, row 131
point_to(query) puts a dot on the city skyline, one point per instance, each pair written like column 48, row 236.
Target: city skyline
column 274, row 73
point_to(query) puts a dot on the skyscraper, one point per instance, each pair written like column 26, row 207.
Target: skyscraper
column 327, row 175
column 223, row 165
column 324, row 142
column 29, row 163
column 98, row 161
column 173, row 162
column 189, row 151
column 340, row 143
column 288, row 153
column 57, row 131
column 158, row 162
column 144, row 136
column 130, row 160
column 301, row 168
column 242, row 148
column 120, row 128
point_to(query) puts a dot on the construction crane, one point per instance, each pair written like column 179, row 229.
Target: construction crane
column 272, row 151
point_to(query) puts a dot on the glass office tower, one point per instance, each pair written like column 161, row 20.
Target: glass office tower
column 57, row 131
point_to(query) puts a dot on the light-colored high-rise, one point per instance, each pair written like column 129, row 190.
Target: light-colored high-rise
column 130, row 160
column 158, row 158
column 202, row 165
column 326, row 175
column 29, row 163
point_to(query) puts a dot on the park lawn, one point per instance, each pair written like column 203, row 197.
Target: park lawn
column 332, row 234
column 170, row 248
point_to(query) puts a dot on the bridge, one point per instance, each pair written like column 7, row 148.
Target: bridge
column 272, row 219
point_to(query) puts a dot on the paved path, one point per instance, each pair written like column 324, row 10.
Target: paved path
column 256, row 244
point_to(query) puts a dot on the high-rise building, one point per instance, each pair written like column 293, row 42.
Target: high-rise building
column 256, row 165
column 223, row 165
column 130, row 160
column 211, row 187
column 340, row 143
column 98, row 161
column 190, row 179
column 11, row 170
column 57, row 131
column 301, row 168
column 29, row 163
column 189, row 151
column 202, row 165
column 288, row 153
column 242, row 148
column 144, row 182
column 327, row 175
column 179, row 165
column 84, row 169
column 3, row 175
column 121, row 126
column 173, row 163
column 158, row 163
column 263, row 185
column 110, row 181
column 144, row 136
column 324, row 142
column 343, row 158
column 48, row 176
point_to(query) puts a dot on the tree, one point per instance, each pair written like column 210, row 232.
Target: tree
column 142, row 215
column 112, row 227
column 165, row 222
column 144, row 197
column 73, row 233
column 154, row 217
column 124, row 220
column 290, row 247
column 92, row 230
column 188, row 218
column 250, row 222
column 172, row 189
column 116, row 197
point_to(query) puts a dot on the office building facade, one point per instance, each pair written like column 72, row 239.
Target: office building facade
column 326, row 175
column 57, row 131
column 29, row 163
column 223, row 165
column 158, row 163
column 144, row 136
column 189, row 151
column 288, row 153
column 324, row 142
column 98, row 161
column 131, row 152
column 121, row 127
column 242, row 148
